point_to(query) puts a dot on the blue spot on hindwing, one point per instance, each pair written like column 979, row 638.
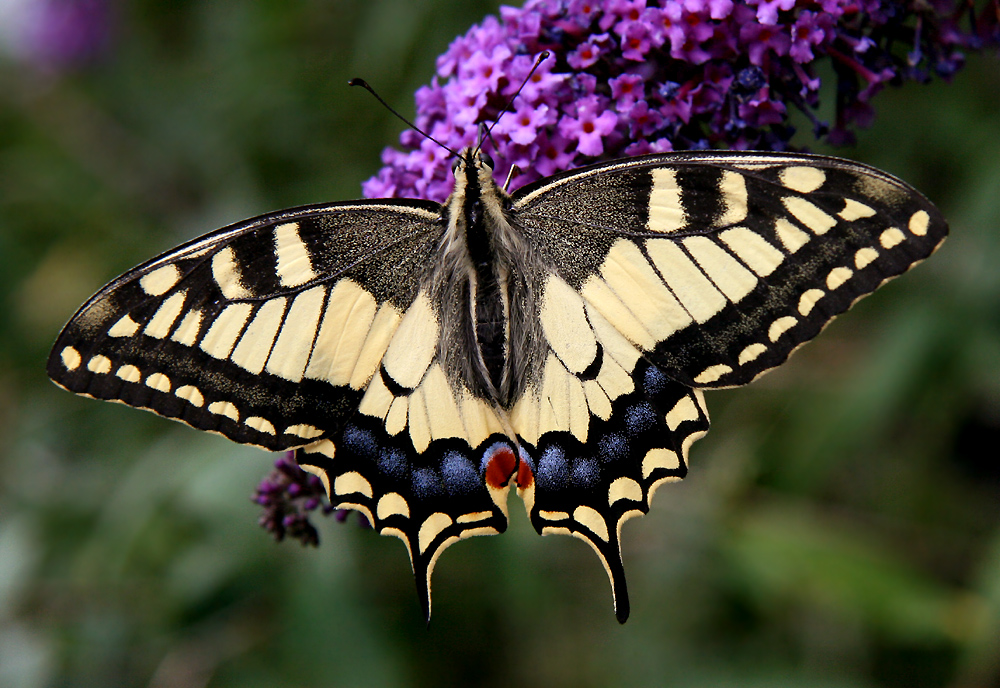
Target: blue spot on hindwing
column 553, row 469
column 612, row 447
column 459, row 474
column 427, row 484
column 392, row 462
column 586, row 472
column 640, row 418
column 654, row 382
column 360, row 441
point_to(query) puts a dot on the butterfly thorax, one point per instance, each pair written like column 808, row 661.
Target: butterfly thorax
column 482, row 275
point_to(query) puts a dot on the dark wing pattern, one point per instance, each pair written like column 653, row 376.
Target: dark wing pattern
column 260, row 331
column 308, row 328
column 677, row 273
column 718, row 265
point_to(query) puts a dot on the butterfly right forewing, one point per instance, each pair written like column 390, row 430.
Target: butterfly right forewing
column 718, row 265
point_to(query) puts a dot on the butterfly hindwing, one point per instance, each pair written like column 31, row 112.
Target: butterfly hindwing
column 718, row 265
column 589, row 488
column 424, row 458
column 600, row 428
column 429, row 499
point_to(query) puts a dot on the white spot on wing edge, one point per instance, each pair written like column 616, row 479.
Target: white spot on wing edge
column 99, row 364
column 474, row 517
column 801, row 178
column 125, row 327
column 303, row 430
column 780, row 326
column 592, row 520
column 319, row 473
column 919, row 222
column 392, row 504
column 624, row 488
column 712, row 373
column 837, row 277
column 751, row 353
column 260, row 424
column 159, row 382
column 190, row 394
column 891, row 237
column 685, row 409
column 352, row 482
column 70, row 358
column 324, row 447
column 129, row 373
column 294, row 261
column 659, row 457
column 864, row 257
column 224, row 408
column 160, row 280
column 553, row 515
column 809, row 299
column 431, row 528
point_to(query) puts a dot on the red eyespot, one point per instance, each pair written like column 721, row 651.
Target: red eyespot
column 500, row 466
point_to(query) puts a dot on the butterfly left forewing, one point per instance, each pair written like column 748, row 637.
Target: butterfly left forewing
column 265, row 332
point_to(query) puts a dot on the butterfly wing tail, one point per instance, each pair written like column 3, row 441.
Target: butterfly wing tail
column 589, row 487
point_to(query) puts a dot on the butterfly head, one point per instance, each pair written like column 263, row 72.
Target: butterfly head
column 474, row 184
column 475, row 161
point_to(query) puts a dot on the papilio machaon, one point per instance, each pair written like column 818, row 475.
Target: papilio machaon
column 419, row 356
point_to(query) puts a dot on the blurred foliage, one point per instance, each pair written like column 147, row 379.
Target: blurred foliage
column 840, row 526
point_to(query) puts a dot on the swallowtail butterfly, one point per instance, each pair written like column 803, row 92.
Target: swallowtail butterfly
column 421, row 358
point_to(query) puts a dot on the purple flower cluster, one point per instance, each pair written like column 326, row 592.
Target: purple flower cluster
column 627, row 77
column 288, row 495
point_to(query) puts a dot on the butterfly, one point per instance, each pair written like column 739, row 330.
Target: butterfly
column 423, row 358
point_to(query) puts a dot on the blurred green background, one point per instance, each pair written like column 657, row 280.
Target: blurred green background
column 840, row 525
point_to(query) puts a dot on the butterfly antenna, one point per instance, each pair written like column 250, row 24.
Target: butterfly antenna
column 542, row 56
column 364, row 84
